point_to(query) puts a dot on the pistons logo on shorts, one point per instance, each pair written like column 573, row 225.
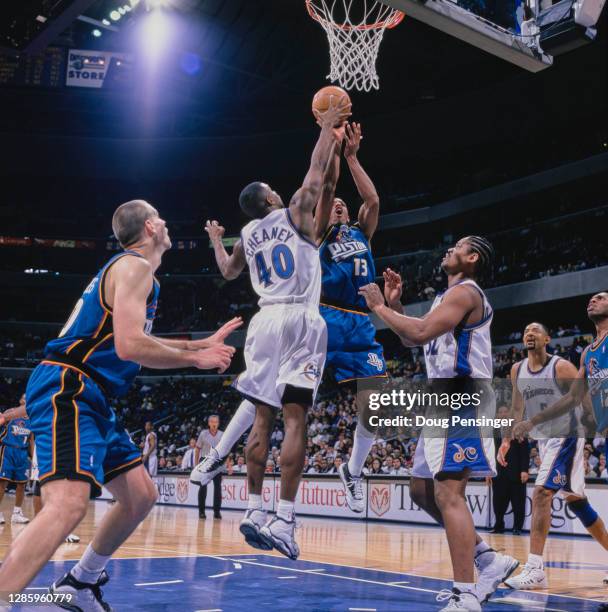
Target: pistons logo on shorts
column 560, row 479
column 312, row 372
column 464, row 454
column 375, row 361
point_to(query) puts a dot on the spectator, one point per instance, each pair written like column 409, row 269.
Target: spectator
column 189, row 456
column 535, row 466
column 240, row 467
column 337, row 463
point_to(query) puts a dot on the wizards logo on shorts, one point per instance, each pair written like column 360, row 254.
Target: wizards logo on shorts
column 464, row 454
column 312, row 372
column 375, row 361
column 560, row 479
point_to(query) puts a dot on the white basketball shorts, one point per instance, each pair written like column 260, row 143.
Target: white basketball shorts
column 562, row 465
column 286, row 345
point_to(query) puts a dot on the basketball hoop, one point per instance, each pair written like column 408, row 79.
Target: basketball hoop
column 354, row 29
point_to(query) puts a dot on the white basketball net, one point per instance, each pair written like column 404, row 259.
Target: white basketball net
column 355, row 29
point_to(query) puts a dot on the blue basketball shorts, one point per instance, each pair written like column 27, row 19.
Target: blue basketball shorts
column 14, row 463
column 76, row 432
column 352, row 350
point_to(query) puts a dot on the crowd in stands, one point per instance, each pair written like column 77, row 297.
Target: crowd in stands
column 179, row 407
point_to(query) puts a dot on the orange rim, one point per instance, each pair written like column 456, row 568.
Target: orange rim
column 393, row 21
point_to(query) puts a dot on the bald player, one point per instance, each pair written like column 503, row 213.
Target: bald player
column 80, row 444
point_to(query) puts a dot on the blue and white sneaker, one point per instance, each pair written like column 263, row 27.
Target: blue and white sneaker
column 279, row 534
column 250, row 527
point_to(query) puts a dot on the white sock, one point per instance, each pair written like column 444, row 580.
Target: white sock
column 90, row 566
column 482, row 547
column 535, row 560
column 17, row 510
column 255, row 502
column 362, row 444
column 465, row 587
column 286, row 510
column 241, row 421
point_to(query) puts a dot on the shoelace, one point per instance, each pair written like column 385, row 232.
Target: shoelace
column 357, row 488
column 527, row 570
column 446, row 594
column 208, row 462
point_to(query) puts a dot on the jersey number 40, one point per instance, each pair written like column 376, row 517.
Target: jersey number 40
column 281, row 262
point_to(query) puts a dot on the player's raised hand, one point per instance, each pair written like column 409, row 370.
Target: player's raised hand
column 373, row 296
column 503, row 449
column 3, row 419
column 352, row 140
column 393, row 286
column 215, row 230
column 225, row 330
column 217, row 357
column 338, row 112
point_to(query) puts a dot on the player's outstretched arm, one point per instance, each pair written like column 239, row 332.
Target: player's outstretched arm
column 328, row 190
column 566, row 403
column 19, row 412
column 131, row 279
column 230, row 265
column 217, row 338
column 306, row 198
column 370, row 209
column 456, row 305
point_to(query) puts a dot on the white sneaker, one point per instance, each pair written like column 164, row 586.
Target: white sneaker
column 250, row 527
column 2, row 521
column 207, row 469
column 493, row 568
column 72, row 539
column 529, row 579
column 280, row 534
column 353, row 489
column 19, row 518
column 459, row 601
column 84, row 597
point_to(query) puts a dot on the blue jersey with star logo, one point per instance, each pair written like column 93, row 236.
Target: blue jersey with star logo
column 346, row 265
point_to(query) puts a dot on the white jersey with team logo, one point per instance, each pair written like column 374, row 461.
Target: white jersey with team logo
column 539, row 390
column 283, row 265
column 464, row 351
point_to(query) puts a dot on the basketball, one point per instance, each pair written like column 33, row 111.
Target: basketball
column 320, row 102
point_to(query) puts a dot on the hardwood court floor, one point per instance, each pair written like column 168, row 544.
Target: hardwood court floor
column 576, row 566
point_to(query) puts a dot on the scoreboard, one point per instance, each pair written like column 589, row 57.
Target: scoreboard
column 45, row 69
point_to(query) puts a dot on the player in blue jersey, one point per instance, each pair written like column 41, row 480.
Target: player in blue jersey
column 15, row 446
column 80, row 445
column 347, row 265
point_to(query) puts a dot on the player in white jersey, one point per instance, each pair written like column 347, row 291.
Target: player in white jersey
column 287, row 339
column 150, row 451
column 456, row 339
column 539, row 381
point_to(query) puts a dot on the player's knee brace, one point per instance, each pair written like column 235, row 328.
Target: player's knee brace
column 582, row 509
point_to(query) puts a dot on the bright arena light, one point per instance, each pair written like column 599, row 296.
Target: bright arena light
column 121, row 10
column 105, row 22
column 115, row 15
column 155, row 35
column 96, row 33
